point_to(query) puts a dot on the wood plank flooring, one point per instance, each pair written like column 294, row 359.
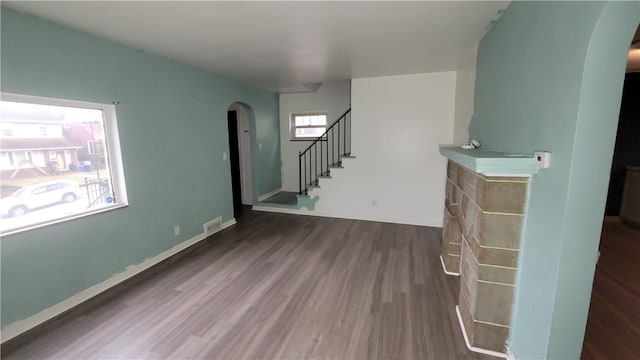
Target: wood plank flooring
column 613, row 325
column 279, row 286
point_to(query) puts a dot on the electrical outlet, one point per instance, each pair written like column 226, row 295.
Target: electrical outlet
column 374, row 202
column 176, row 230
column 224, row 156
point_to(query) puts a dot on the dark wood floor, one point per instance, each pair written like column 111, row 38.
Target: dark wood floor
column 613, row 325
column 279, row 286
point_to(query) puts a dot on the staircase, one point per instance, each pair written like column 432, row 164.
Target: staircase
column 326, row 152
column 314, row 163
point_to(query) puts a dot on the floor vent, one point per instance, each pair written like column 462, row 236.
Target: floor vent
column 212, row 226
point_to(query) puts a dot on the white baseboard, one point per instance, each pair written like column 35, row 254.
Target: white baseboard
column 14, row 329
column 228, row 223
column 269, row 194
column 510, row 354
column 445, row 269
column 473, row 348
column 284, row 210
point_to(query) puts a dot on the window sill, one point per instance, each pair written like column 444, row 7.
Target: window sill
column 5, row 233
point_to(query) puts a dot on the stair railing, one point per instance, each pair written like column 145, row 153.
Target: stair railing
column 324, row 153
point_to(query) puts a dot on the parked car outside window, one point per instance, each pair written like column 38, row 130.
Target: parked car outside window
column 39, row 195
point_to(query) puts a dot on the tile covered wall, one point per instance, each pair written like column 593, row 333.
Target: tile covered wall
column 481, row 238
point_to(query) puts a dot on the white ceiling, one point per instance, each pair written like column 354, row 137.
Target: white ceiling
column 280, row 46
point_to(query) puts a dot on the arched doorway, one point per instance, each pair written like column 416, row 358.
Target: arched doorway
column 554, row 282
column 240, row 155
column 612, row 334
column 595, row 133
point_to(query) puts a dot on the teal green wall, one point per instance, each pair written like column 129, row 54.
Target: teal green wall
column 549, row 77
column 173, row 132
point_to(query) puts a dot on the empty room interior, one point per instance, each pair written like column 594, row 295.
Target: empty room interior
column 336, row 180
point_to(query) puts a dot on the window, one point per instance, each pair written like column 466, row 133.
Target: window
column 95, row 147
column 19, row 157
column 308, row 126
column 76, row 170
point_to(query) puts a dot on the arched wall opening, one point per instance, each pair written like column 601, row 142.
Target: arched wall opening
column 596, row 128
column 586, row 190
column 549, row 78
column 240, row 124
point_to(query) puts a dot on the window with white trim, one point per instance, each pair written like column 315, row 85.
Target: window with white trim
column 95, row 147
column 308, row 125
column 63, row 161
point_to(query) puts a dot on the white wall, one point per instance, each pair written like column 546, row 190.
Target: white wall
column 398, row 174
column 465, row 86
column 332, row 97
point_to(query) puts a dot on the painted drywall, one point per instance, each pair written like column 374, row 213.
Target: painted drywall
column 549, row 77
column 465, row 82
column 333, row 97
column 398, row 174
column 173, row 132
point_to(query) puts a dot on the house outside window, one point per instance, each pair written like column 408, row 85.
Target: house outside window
column 62, row 162
column 308, row 126
column 95, row 147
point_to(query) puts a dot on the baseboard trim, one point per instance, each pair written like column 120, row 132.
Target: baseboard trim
column 473, row 348
column 22, row 327
column 445, row 269
column 282, row 210
column 228, row 223
column 510, row 354
column 269, row 194
column 293, row 211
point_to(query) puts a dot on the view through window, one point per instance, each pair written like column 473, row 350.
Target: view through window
column 55, row 160
column 308, row 125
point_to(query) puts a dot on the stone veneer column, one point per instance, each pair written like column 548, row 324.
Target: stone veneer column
column 487, row 212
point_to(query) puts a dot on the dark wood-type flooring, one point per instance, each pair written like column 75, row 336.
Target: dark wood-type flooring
column 279, row 286
column 613, row 325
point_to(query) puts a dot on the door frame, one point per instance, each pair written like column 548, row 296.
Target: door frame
column 244, row 150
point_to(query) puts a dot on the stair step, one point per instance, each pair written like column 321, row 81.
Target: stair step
column 324, row 176
column 281, row 198
column 349, row 156
column 336, row 166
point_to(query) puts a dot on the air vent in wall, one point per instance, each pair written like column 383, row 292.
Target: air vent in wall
column 212, row 226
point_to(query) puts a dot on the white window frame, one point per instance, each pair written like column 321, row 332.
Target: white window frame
column 293, row 127
column 91, row 147
column 113, row 154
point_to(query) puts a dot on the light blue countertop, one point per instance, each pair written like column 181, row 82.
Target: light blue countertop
column 491, row 163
